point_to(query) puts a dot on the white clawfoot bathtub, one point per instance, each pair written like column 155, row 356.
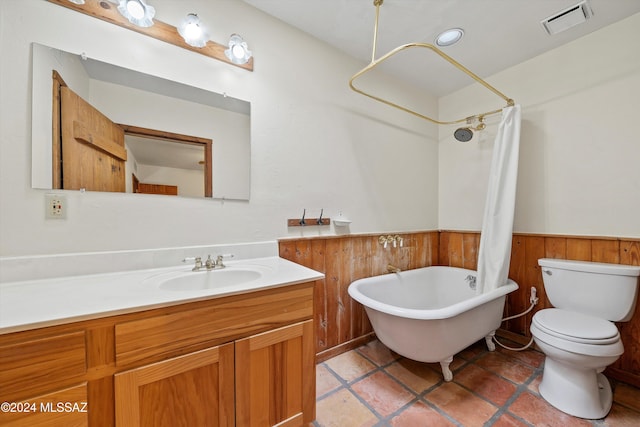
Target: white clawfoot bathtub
column 431, row 313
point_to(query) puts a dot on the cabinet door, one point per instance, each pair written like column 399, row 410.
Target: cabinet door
column 275, row 377
column 196, row 389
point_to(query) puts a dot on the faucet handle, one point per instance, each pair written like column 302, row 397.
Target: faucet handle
column 219, row 258
column 197, row 260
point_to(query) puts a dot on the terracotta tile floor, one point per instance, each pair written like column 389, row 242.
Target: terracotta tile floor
column 372, row 386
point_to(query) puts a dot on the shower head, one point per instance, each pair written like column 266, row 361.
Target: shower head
column 463, row 134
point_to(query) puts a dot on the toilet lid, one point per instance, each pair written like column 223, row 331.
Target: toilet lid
column 576, row 327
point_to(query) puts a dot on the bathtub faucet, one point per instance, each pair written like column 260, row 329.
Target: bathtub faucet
column 472, row 281
column 394, row 240
column 393, row 269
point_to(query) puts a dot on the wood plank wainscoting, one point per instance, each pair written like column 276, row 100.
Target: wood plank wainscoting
column 342, row 324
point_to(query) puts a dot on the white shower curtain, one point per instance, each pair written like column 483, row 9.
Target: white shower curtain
column 497, row 225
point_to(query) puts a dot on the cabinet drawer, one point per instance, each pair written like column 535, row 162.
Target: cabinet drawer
column 34, row 366
column 222, row 320
column 66, row 407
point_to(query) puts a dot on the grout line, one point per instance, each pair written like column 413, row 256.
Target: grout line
column 437, row 409
column 419, row 397
column 398, row 411
column 422, row 397
column 346, row 385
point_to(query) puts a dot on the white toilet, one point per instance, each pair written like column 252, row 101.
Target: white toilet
column 578, row 336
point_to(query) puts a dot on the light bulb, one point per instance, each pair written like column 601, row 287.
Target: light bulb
column 238, row 51
column 192, row 30
column 135, row 8
column 138, row 12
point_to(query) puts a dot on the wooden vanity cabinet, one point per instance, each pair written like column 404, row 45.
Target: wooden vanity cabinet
column 242, row 360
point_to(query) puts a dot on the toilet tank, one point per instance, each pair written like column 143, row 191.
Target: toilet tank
column 607, row 291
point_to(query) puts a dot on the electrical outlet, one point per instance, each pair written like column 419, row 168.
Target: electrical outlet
column 56, row 206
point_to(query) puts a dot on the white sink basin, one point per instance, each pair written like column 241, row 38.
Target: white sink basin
column 201, row 280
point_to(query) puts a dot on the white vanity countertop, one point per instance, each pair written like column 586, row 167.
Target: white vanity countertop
column 46, row 302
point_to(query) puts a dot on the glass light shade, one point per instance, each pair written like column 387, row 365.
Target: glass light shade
column 238, row 51
column 138, row 12
column 449, row 37
column 193, row 32
column 135, row 9
column 77, row 1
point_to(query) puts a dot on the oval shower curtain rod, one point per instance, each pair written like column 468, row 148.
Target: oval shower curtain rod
column 375, row 62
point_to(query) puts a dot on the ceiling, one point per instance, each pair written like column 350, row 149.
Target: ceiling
column 111, row 73
column 498, row 33
column 165, row 153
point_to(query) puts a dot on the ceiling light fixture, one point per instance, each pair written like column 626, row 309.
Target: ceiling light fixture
column 138, row 12
column 238, row 51
column 193, row 31
column 449, row 37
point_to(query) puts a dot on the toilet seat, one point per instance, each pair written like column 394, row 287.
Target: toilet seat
column 552, row 330
column 576, row 327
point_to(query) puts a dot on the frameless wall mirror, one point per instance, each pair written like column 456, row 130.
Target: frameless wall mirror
column 101, row 127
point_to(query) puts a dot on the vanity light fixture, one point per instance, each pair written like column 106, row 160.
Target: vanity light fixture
column 449, row 37
column 121, row 13
column 193, row 31
column 238, row 51
column 138, row 12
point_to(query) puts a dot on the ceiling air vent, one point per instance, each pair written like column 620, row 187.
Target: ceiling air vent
column 568, row 18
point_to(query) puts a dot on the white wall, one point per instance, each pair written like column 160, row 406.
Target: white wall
column 315, row 144
column 580, row 146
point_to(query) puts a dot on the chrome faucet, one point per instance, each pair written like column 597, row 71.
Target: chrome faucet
column 209, row 264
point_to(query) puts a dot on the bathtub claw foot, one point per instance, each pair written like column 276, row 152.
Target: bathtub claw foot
column 446, row 372
column 491, row 346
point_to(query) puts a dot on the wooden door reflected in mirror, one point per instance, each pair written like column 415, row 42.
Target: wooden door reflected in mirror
column 92, row 148
column 93, row 153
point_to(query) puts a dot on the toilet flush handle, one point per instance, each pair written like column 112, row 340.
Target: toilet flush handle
column 547, row 272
